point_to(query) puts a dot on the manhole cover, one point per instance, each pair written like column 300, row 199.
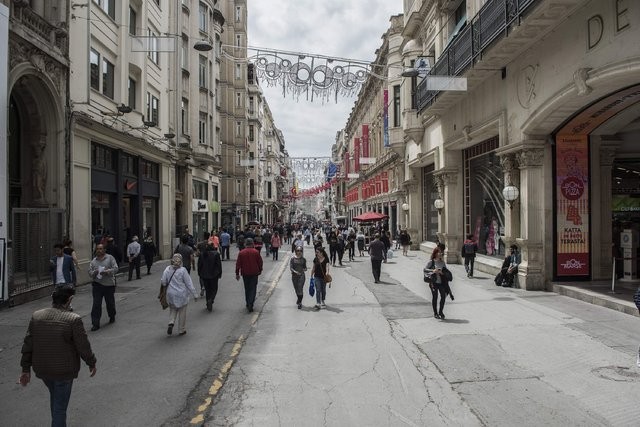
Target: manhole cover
column 618, row 373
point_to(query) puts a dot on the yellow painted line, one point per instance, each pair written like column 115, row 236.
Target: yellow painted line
column 235, row 351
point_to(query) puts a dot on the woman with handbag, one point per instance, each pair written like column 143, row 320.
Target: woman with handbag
column 319, row 272
column 298, row 265
column 178, row 282
column 439, row 282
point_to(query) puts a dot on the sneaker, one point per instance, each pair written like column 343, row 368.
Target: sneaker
column 323, row 305
column 112, row 319
column 183, row 333
column 170, row 329
column 299, row 306
column 317, row 307
column 95, row 328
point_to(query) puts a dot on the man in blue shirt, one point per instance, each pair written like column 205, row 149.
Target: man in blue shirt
column 225, row 243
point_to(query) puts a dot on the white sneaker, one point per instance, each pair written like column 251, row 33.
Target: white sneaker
column 323, row 305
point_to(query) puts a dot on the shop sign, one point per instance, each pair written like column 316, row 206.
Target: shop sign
column 199, row 205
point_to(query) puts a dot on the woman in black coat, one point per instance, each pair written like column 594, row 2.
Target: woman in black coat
column 210, row 271
column 148, row 251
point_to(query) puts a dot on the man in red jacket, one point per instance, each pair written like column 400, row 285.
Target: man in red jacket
column 249, row 266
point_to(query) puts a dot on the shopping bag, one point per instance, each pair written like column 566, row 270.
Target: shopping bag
column 312, row 287
column 389, row 254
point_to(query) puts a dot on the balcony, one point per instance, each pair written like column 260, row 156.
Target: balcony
column 500, row 31
column 53, row 36
column 205, row 156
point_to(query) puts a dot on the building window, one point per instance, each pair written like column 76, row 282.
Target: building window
column 132, row 21
column 202, row 133
column 184, row 53
column 238, row 157
column 238, row 74
column 108, row 6
column 251, row 133
column 152, row 108
column 484, row 205
column 238, row 99
column 94, row 63
column 252, row 189
column 129, row 164
column 239, row 191
column 269, row 190
column 153, row 47
column 238, row 129
column 251, row 105
column 238, row 13
column 238, row 40
column 150, row 170
column 102, row 157
column 202, row 17
column 200, row 190
column 396, row 106
column 184, row 116
column 202, row 72
column 132, row 93
column 108, row 78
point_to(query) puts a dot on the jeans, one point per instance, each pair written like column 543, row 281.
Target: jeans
column 468, row 264
column 376, row 265
column 321, row 289
column 250, row 286
column 135, row 263
column 107, row 292
column 60, row 393
column 225, row 250
column 211, row 289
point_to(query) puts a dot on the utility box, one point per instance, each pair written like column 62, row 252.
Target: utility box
column 629, row 244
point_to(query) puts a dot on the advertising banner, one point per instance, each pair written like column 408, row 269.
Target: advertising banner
column 385, row 117
column 365, row 140
column 572, row 202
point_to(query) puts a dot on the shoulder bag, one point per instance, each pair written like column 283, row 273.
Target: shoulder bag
column 162, row 296
column 429, row 274
column 327, row 277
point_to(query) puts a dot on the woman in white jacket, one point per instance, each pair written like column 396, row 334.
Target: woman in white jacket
column 179, row 285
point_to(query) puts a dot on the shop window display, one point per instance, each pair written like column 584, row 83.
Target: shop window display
column 484, row 202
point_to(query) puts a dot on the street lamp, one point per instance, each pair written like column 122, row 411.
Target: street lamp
column 439, row 204
column 510, row 194
column 405, row 206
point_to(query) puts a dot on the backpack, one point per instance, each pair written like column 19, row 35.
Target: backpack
column 469, row 248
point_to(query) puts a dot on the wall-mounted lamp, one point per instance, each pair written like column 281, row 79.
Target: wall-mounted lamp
column 124, row 109
column 439, row 204
column 405, row 207
column 510, row 194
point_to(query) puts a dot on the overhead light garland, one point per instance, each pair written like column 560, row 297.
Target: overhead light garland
column 310, row 75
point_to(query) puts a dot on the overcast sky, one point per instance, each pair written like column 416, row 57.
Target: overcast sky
column 337, row 28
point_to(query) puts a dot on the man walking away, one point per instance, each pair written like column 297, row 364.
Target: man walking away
column 63, row 272
column 378, row 253
column 187, row 253
column 249, row 265
column 102, row 270
column 133, row 250
column 53, row 346
column 225, row 243
column 210, row 271
column 469, row 249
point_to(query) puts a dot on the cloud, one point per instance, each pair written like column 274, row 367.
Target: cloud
column 347, row 29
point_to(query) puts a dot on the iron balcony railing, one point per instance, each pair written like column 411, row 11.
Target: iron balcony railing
column 491, row 23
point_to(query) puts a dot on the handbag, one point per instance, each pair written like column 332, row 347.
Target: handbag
column 326, row 276
column 162, row 296
column 429, row 274
column 312, row 287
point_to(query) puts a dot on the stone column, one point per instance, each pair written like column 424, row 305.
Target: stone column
column 602, row 202
column 450, row 229
column 532, row 216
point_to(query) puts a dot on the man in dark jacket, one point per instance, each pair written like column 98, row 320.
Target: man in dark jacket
column 249, row 265
column 378, row 253
column 210, row 271
column 63, row 272
column 54, row 344
column 469, row 249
